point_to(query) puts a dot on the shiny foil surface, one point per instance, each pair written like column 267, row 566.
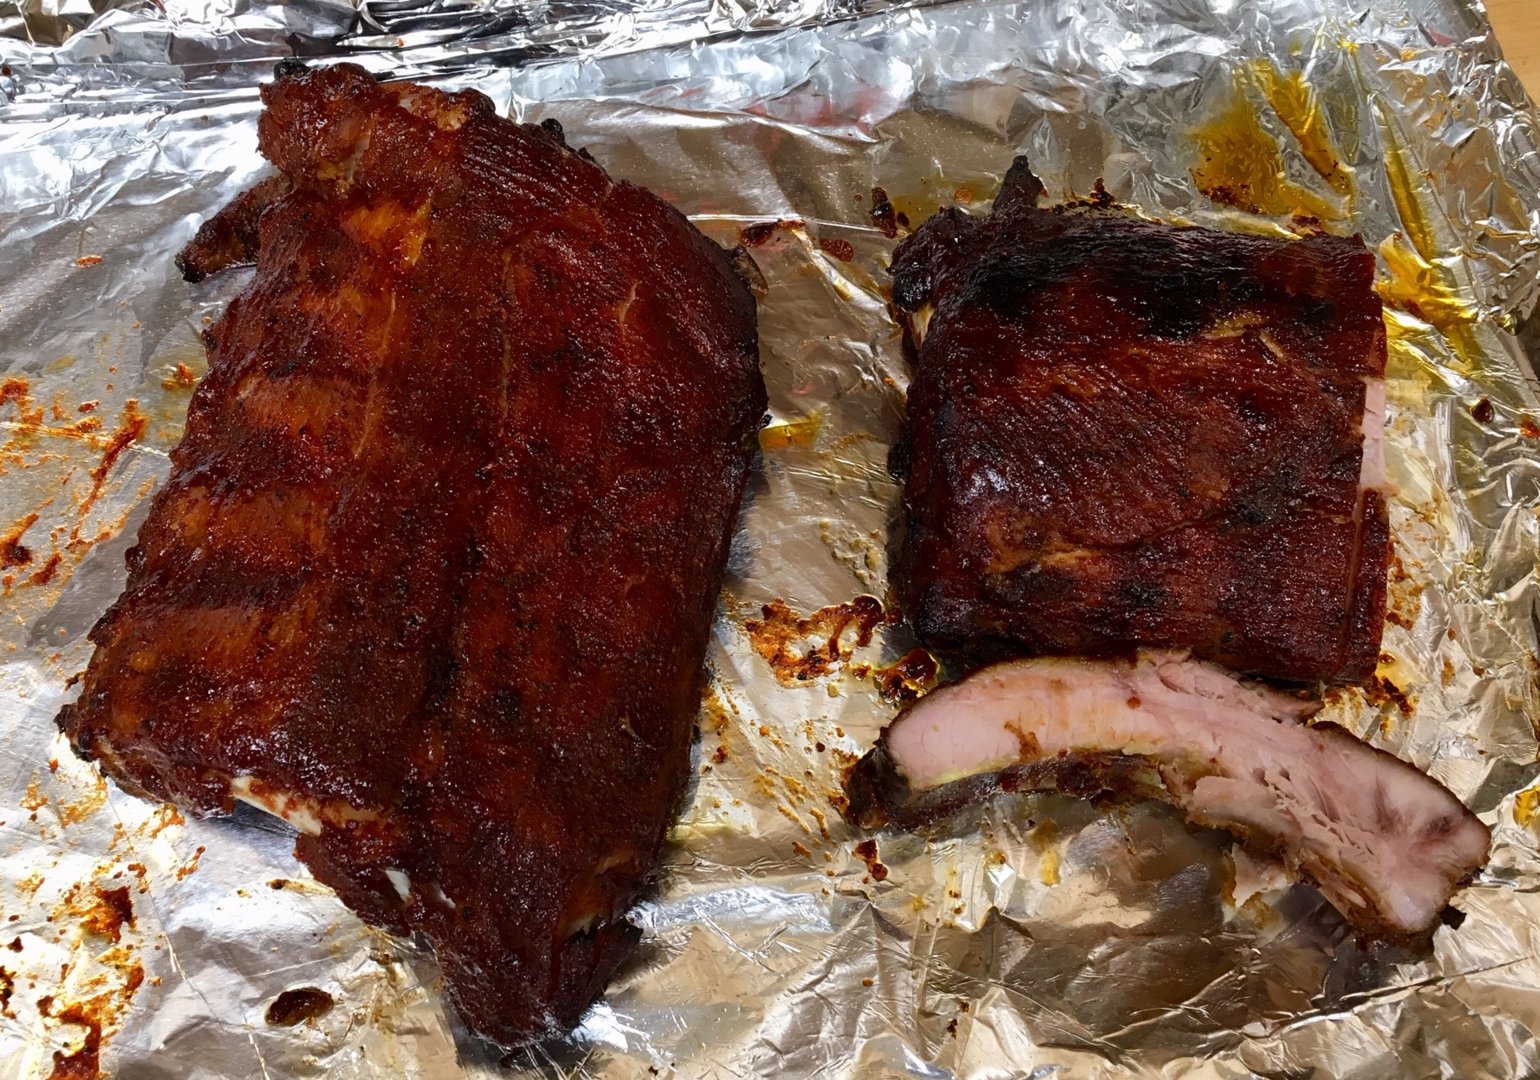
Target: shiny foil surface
column 1033, row 936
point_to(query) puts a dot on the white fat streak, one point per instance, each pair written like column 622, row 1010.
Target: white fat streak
column 1373, row 832
column 301, row 813
column 401, row 882
column 306, row 814
column 919, row 322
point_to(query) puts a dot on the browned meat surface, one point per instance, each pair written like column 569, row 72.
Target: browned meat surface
column 229, row 238
column 434, row 570
column 1124, row 434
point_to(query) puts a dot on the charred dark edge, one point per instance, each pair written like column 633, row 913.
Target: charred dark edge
column 1021, row 188
column 748, row 271
column 880, row 795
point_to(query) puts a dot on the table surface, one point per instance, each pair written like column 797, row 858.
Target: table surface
column 1517, row 23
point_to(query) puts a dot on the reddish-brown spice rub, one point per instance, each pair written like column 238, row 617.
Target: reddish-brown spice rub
column 229, row 238
column 434, row 570
column 1122, row 433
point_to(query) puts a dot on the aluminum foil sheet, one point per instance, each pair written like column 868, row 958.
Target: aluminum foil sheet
column 1033, row 937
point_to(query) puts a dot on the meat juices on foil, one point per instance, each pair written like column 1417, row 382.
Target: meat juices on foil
column 434, row 571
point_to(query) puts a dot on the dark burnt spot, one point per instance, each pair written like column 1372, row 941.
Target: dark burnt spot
column 1318, row 310
column 911, row 288
column 750, row 274
column 12, row 551
column 1021, row 188
column 1452, row 917
column 842, row 250
column 884, row 218
column 507, row 706
column 550, row 278
column 1382, row 691
column 1482, row 411
column 298, row 1005
column 1236, row 195
column 1251, row 410
column 866, row 851
column 1007, row 284
column 756, row 234
column 1255, row 511
column 761, row 231
column 1143, row 594
column 1080, row 780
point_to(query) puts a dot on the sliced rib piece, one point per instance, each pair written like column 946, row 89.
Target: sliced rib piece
column 1386, row 844
column 229, row 238
column 434, row 570
column 1122, row 434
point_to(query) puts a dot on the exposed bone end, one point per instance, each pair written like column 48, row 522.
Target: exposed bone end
column 1386, row 844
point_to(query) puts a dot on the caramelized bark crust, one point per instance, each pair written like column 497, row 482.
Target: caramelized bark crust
column 1123, row 434
column 439, row 552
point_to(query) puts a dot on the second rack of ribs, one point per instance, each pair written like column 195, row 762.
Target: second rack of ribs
column 1126, row 434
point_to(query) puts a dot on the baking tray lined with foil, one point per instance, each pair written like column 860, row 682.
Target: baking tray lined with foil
column 1028, row 934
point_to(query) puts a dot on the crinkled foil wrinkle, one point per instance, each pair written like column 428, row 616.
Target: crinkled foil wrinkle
column 70, row 46
column 1034, row 936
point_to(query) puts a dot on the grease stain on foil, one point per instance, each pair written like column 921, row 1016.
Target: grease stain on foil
column 1240, row 164
column 800, row 649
